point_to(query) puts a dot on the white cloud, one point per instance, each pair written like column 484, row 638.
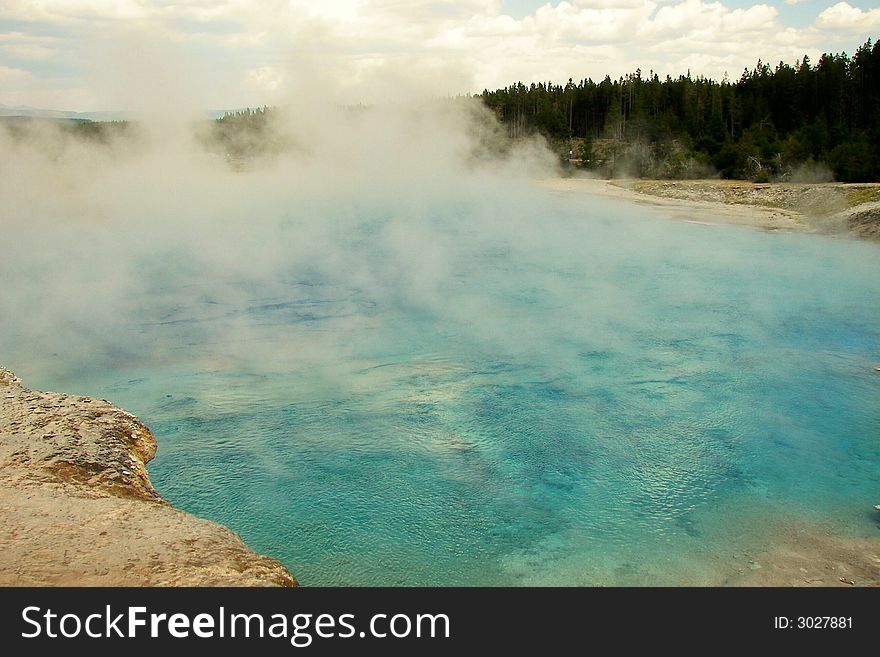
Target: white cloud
column 23, row 46
column 709, row 19
column 581, row 24
column 9, row 74
column 28, row 51
column 844, row 16
column 258, row 51
column 65, row 10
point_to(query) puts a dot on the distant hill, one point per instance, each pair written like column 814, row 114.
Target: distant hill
column 19, row 120
column 34, row 112
column 117, row 115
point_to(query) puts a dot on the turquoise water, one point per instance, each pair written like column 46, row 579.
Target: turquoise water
column 539, row 390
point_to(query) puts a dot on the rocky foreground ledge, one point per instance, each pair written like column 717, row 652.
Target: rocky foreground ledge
column 77, row 507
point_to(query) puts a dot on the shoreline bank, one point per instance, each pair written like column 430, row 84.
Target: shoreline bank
column 78, row 508
column 827, row 208
column 809, row 554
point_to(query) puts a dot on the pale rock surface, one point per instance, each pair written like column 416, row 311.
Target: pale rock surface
column 77, row 507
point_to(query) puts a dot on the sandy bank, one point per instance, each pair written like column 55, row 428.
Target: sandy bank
column 77, row 507
column 801, row 553
column 817, row 207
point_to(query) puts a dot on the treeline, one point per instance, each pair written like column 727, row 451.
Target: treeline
column 102, row 132
column 241, row 134
column 769, row 124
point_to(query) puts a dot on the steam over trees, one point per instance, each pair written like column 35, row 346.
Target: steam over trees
column 806, row 120
column 766, row 124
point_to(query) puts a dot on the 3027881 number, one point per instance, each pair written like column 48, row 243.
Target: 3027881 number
column 821, row 622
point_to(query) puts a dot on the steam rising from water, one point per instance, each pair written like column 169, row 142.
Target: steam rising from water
column 388, row 357
column 153, row 223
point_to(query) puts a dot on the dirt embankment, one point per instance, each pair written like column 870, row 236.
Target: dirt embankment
column 824, row 207
column 814, row 558
column 77, row 507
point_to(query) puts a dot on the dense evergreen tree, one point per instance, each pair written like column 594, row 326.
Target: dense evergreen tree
column 766, row 124
column 243, row 133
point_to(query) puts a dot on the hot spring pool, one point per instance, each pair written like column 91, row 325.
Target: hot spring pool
column 535, row 390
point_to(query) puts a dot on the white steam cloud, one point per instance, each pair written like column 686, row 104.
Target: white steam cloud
column 141, row 250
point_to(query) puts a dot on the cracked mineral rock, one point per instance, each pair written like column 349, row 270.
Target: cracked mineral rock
column 77, row 507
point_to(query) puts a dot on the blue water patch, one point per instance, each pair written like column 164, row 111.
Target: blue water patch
column 578, row 395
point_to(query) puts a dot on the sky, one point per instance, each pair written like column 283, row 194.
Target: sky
column 94, row 55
